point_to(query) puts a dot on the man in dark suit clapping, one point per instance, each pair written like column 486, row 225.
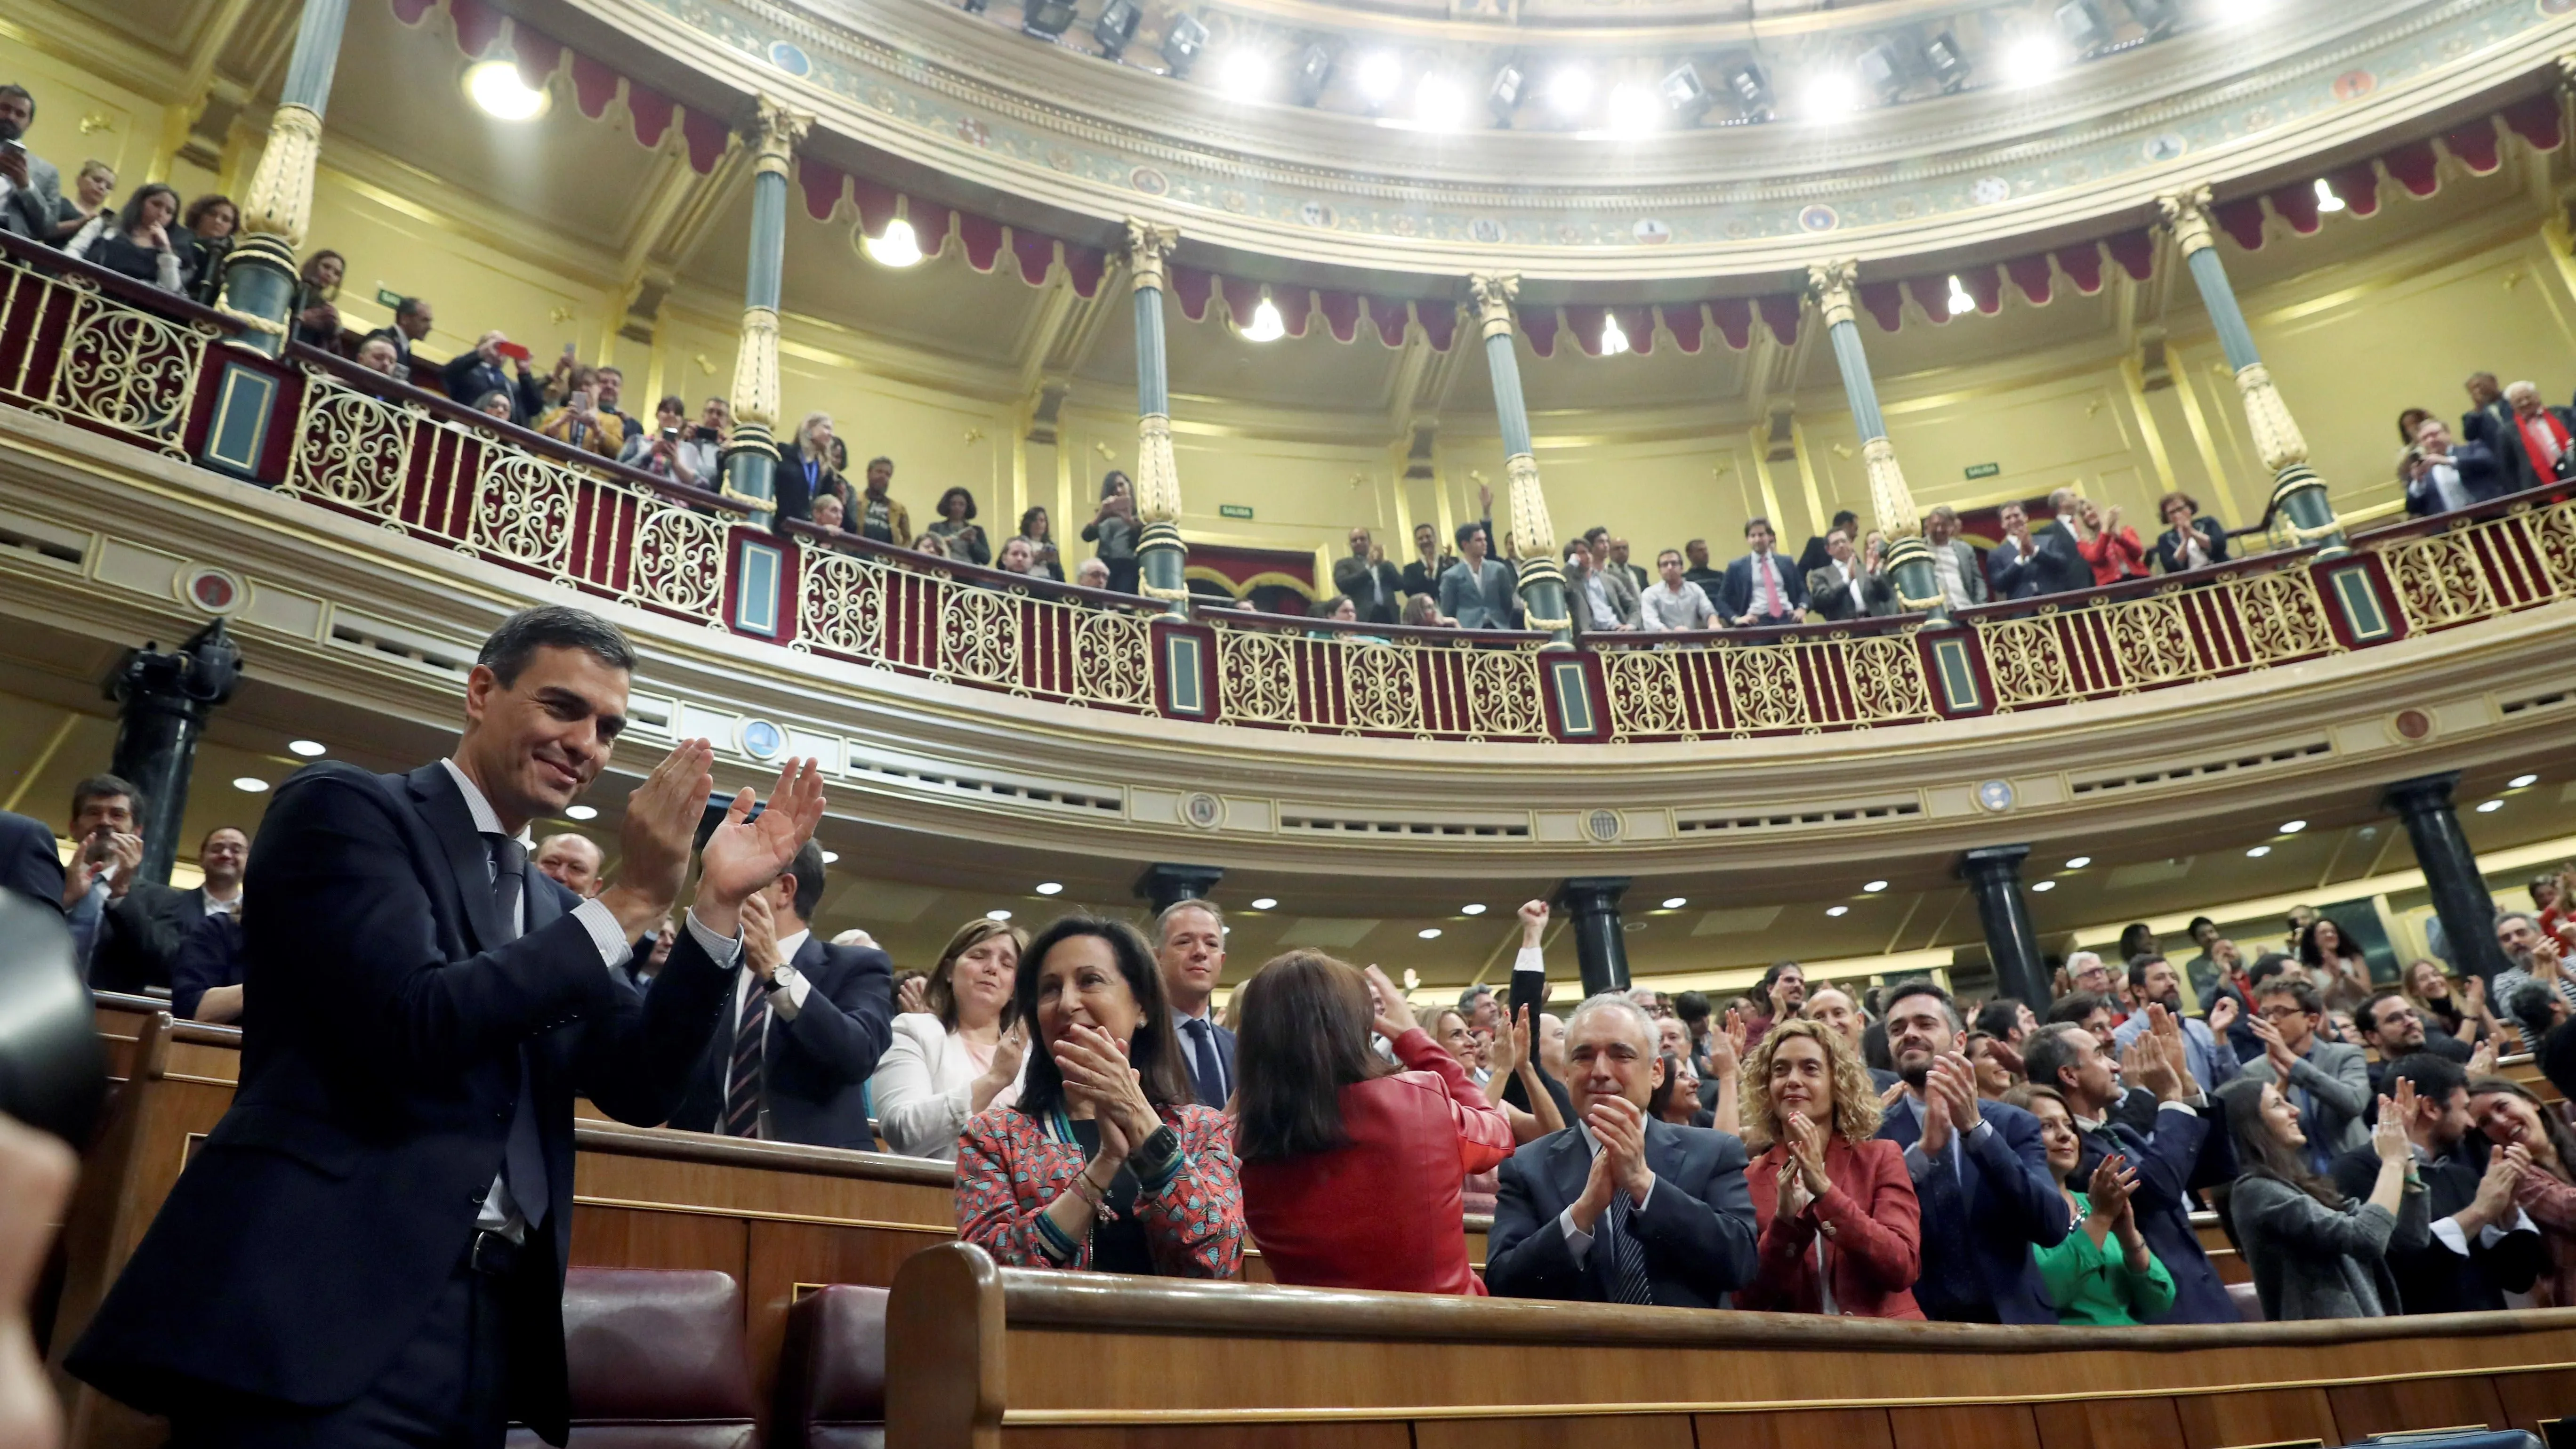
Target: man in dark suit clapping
column 802, row 1032
column 30, row 863
column 1620, row 1208
column 369, row 1248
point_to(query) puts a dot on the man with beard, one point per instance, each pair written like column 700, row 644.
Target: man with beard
column 2183, row 1150
column 1979, row 1171
column 1782, row 991
column 2534, row 954
column 2206, row 1050
column 2483, row 1246
column 2390, row 1025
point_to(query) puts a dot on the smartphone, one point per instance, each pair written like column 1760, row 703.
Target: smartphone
column 706, row 435
column 514, row 351
column 670, row 435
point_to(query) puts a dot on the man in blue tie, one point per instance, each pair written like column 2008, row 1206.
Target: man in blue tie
column 1189, row 941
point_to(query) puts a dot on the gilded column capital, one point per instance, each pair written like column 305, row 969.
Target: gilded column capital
column 2186, row 215
column 1494, row 292
column 2567, row 70
column 1532, row 529
column 1149, row 248
column 777, row 128
column 1888, row 495
column 1832, row 284
column 280, row 200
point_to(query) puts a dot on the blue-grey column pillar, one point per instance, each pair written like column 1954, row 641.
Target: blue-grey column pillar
column 2298, row 494
column 2460, row 897
column 1909, row 561
column 1162, row 559
column 259, row 273
column 1542, row 578
column 751, row 458
column 1994, row 872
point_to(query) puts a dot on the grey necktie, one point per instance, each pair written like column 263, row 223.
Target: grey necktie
column 1627, row 1256
column 523, row 1158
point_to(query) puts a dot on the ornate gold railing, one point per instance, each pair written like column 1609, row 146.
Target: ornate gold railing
column 87, row 346
column 2475, row 568
column 2087, row 646
column 1707, row 686
column 1371, row 680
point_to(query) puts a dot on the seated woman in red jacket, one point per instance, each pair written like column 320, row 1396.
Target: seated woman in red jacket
column 1104, row 1162
column 1839, row 1228
column 1351, row 1169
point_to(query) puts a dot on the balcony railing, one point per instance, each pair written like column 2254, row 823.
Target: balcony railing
column 103, row 353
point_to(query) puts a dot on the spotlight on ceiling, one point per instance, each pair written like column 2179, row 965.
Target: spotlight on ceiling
column 1685, row 92
column 2326, row 198
column 2157, row 17
column 2486, row 808
column 2079, row 862
column 2083, row 25
column 1472, row 908
column 1569, row 90
column 1948, row 66
column 1245, row 73
column 1117, row 26
column 1633, row 110
column 1050, row 887
column 1046, row 19
column 1267, row 324
column 581, row 812
column 1828, row 96
column 1183, row 39
column 896, row 247
column 2518, row 782
column 1837, row 910
column 1379, row 76
column 309, row 749
column 1438, row 103
column 1752, row 91
column 1313, row 71
column 1265, row 903
column 2032, row 59
column 1881, row 72
column 2043, row 885
column 1614, row 338
column 1504, row 96
column 1959, row 301
column 496, row 87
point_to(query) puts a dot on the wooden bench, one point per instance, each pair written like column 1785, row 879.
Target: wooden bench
column 979, row 1357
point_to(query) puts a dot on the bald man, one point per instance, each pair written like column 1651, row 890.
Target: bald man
column 571, row 861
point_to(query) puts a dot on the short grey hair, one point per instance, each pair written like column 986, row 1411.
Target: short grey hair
column 2082, row 961
column 1613, row 1001
column 2524, row 916
column 1163, row 920
column 2511, row 388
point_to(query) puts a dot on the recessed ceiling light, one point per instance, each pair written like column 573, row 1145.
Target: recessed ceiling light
column 1569, row 90
column 2031, row 60
column 2043, row 885
column 495, row 87
column 898, row 247
column 1379, row 76
column 997, row 914
column 1265, row 903
column 309, row 749
column 1438, row 101
column 1875, row 886
column 1837, row 910
column 1245, row 73
column 2258, row 852
column 2293, row 827
column 251, row 783
column 1633, row 110
column 1050, row 887
column 831, row 857
column 1429, row 933
column 2522, row 782
column 1829, row 96
column 2488, row 808
column 1675, row 903
column 581, row 812
column 1474, row 909
column 2079, row 862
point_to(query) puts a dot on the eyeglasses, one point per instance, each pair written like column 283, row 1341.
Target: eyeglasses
column 2280, row 1013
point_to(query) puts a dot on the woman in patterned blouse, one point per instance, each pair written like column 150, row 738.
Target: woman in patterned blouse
column 1104, row 1162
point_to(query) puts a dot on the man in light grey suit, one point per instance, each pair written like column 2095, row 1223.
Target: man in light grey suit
column 1604, row 600
column 1955, row 564
column 31, row 190
column 2327, row 1081
column 1477, row 591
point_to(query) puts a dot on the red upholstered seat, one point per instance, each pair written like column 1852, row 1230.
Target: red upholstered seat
column 831, row 1374
column 657, row 1361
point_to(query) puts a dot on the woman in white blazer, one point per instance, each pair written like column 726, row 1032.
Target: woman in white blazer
column 961, row 1056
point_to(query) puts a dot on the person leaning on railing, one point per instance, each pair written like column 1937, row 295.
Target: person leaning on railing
column 136, row 242
column 579, row 423
column 670, row 449
column 2109, row 547
column 1105, row 1162
column 957, row 531
column 1672, row 602
column 90, row 190
column 211, row 222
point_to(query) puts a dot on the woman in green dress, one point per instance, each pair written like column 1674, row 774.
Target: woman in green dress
column 2103, row 1273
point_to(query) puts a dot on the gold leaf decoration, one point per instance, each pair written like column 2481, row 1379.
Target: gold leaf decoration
column 93, row 123
column 705, row 364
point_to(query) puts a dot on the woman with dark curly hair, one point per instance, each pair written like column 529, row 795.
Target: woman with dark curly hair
column 1840, row 1230
column 957, row 531
column 2336, row 960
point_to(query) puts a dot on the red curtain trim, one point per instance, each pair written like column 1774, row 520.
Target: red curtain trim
column 823, row 186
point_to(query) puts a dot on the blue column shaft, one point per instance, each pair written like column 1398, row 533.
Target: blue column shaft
column 1509, row 410
column 317, row 53
column 768, row 240
column 1153, row 391
column 1856, row 384
column 2225, row 317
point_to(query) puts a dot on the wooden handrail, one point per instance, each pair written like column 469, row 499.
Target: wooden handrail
column 844, row 541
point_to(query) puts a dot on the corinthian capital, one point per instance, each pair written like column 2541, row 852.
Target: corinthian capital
column 776, row 129
column 1494, row 292
column 1149, row 246
column 2186, row 213
column 1831, row 284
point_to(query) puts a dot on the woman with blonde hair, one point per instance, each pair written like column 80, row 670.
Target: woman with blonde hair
column 959, row 1055
column 805, row 470
column 1839, row 1228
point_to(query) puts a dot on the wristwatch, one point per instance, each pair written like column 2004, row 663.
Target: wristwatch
column 780, row 978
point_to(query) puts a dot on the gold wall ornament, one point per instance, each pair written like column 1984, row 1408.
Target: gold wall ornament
column 1888, row 496
column 755, row 370
column 1107, row 453
column 974, row 436
column 705, row 364
column 1832, row 284
column 2186, row 214
column 1494, row 292
column 1158, row 478
column 777, row 128
column 1149, row 250
column 559, row 314
column 1530, row 525
column 280, row 200
column 93, row 123
column 2277, row 439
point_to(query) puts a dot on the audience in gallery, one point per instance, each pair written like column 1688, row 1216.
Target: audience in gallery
column 1955, row 565
column 1673, row 603
column 1037, row 534
column 480, row 373
column 2537, row 961
column 413, row 319
column 1603, row 599
column 673, row 448
column 91, row 188
column 136, row 242
column 31, row 188
column 1352, row 1165
column 2089, row 1280
column 2458, row 1007
column 1373, row 585
column 956, row 530
column 377, row 355
column 2210, row 1057
column 1777, row 997
column 1104, row 1162
column 957, row 1049
column 2442, row 476
column 581, row 422
column 1818, row 548
column 2028, row 562
column 1760, row 590
column 1116, row 531
column 206, row 969
column 1850, row 585
column 2537, row 1141
column 1836, row 1221
column 2339, row 964
column 316, row 307
column 2313, row 1251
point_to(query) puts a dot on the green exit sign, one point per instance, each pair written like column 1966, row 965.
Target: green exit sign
column 1984, row 470
column 388, row 297
column 1234, row 510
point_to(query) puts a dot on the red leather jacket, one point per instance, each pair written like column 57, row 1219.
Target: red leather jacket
column 1875, row 1250
column 1383, row 1212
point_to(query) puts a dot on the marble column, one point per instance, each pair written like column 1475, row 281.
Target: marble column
column 2460, row 897
column 2299, row 498
column 1908, row 558
column 1162, row 558
column 751, row 458
column 260, row 271
column 1542, row 578
column 1600, row 937
column 1994, row 873
column 162, row 702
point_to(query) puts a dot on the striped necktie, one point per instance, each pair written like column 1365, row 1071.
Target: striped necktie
column 523, row 1157
column 744, row 1078
column 1627, row 1256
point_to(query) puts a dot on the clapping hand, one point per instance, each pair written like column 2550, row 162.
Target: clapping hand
column 2275, row 1050
column 2388, row 1135
column 1512, row 1048
column 2114, row 1180
column 2223, row 1015
column 760, row 936
column 1094, row 1067
column 1807, row 1150
column 1619, row 1125
column 2482, row 1060
column 1394, row 1016
column 745, row 854
column 913, row 996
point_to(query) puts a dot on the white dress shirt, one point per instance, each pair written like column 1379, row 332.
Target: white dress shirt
column 1945, row 567
column 219, row 905
column 1666, row 610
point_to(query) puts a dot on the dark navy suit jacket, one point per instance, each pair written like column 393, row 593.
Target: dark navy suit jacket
column 1735, row 596
column 1697, row 1226
column 820, row 1061
column 2053, row 566
column 1980, row 1223
column 2185, row 1152
column 30, row 863
column 2483, row 475
column 381, row 1055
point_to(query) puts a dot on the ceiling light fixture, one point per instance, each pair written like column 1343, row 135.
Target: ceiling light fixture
column 1245, row 73
column 581, row 812
column 1569, row 90
column 2518, row 782
column 997, row 914
column 897, row 247
column 1675, row 903
column 1314, row 71
column 1959, row 301
column 1614, row 339
column 1046, row 20
column 1267, row 324
column 1265, row 902
column 1881, row 71
column 2079, row 862
column 309, row 749
column 1874, row 887
column 2258, row 852
column 1183, row 39
column 1117, row 26
column 1503, row 97
column 2084, row 26
column 1837, row 910
column 2031, row 60
column 1632, row 110
column 2293, row 827
column 831, row 857
column 2485, row 808
column 1438, row 102
column 2043, row 885
column 495, row 86
column 1752, row 90
column 1949, row 67
column 1476, row 908
column 251, row 784
column 2326, row 198
column 1685, row 92
column 1829, row 97
column 1379, row 75
column 1429, row 933
column 1050, row 887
